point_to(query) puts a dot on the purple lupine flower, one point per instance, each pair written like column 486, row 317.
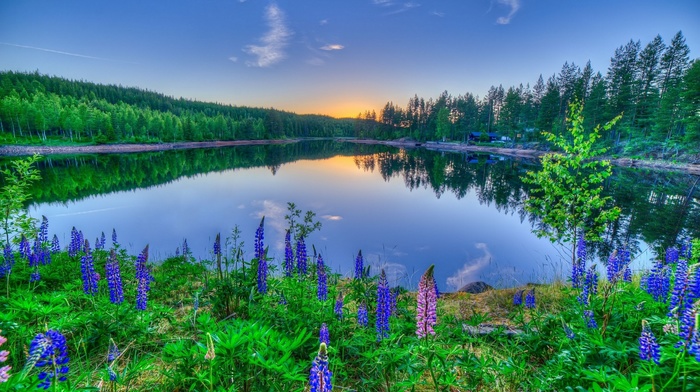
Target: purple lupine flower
column 426, row 308
column 87, row 267
column 185, row 248
column 217, row 245
column 75, row 243
column 322, row 287
column 5, row 370
column 49, row 351
column 590, row 319
column 44, row 230
column 320, row 375
column 115, row 243
column 648, row 348
column 8, row 260
column 590, row 286
column 530, row 299
column 518, row 298
column 114, row 279
column 112, row 355
column 687, row 326
column 624, row 265
column 362, row 315
column 392, row 300
column 686, row 249
column 672, row 255
column 55, row 246
column 103, row 240
column 143, row 279
column 259, row 239
column 99, row 242
column 262, row 273
column 613, row 267
column 288, row 255
column 680, row 284
column 35, row 276
column 359, row 266
column 579, row 267
column 301, row 256
column 338, row 308
column 658, row 281
column 324, row 335
column 24, row 249
column 693, row 292
column 382, row 323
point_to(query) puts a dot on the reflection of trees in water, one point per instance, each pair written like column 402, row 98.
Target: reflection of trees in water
column 658, row 208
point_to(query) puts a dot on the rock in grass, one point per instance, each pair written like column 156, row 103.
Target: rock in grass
column 475, row 287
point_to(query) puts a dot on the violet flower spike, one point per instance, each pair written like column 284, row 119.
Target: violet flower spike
column 324, row 336
column 383, row 307
column 320, row 376
column 426, row 308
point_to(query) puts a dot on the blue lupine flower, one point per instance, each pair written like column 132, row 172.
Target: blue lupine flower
column 24, row 249
column 115, row 243
column 338, row 308
column 87, row 267
column 694, row 347
column 672, row 255
column 320, row 375
column 687, row 326
column 362, row 315
column 112, row 355
column 392, row 301
column 590, row 319
column 579, row 267
column 44, row 230
column 143, row 279
column 686, row 249
column 648, row 348
column 217, row 245
column 301, row 256
column 680, row 284
column 81, row 241
column 8, row 260
column 323, row 335
column 658, row 281
column 693, row 293
column 262, row 274
column 624, row 265
column 322, row 288
column 114, row 279
column 35, row 275
column 55, row 246
column 590, row 286
column 518, row 298
column 359, row 266
column 613, row 267
column 185, row 248
column 437, row 290
column 383, row 313
column 75, row 243
column 49, row 351
column 288, row 255
column 259, row 240
column 530, row 299
column 100, row 242
column 568, row 331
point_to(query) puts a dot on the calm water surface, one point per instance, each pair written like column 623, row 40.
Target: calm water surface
column 404, row 209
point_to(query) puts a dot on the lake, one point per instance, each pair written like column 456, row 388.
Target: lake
column 405, row 209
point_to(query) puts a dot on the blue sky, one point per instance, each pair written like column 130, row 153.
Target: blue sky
column 336, row 57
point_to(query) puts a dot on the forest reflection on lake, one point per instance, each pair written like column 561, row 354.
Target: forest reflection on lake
column 405, row 209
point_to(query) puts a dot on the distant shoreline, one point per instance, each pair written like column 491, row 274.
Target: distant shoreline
column 17, row 150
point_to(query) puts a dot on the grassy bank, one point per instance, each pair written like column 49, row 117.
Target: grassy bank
column 253, row 325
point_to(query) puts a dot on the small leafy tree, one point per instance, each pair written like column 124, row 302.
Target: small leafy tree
column 15, row 194
column 567, row 190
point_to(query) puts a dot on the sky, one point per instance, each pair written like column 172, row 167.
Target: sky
column 332, row 57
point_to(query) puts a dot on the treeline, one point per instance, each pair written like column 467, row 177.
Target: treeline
column 655, row 87
column 35, row 107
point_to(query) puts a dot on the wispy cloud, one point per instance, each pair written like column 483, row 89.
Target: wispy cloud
column 234, row 59
column 332, row 217
column 471, row 269
column 274, row 41
column 332, row 47
column 323, row 22
column 84, row 56
column 514, row 6
column 383, row 3
column 403, row 8
column 439, row 14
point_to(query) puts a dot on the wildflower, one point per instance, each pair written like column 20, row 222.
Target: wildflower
column 686, row 249
column 590, row 319
column 322, row 290
column 568, row 331
column 426, row 316
column 687, row 326
column 590, row 286
column 392, row 300
column 323, row 335
column 657, row 281
column 262, row 274
column 613, row 267
column 115, row 243
column 338, row 308
column 87, row 267
column 288, row 255
column 8, row 260
column 671, row 328
column 217, row 245
column 143, row 279
column 672, row 255
column 320, row 375
column 648, row 348
column 301, row 256
column 185, row 248
column 49, row 350
column 211, row 353
column 5, row 370
column 518, row 298
column 530, row 299
column 577, row 270
column 362, row 315
column 680, row 285
column 112, row 355
column 55, row 246
column 382, row 323
column 75, row 243
column 24, row 249
column 359, row 266
column 103, row 240
column 44, row 230
column 259, row 237
column 35, row 276
column 114, row 279
column 693, row 292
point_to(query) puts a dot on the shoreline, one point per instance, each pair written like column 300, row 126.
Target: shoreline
column 22, row 150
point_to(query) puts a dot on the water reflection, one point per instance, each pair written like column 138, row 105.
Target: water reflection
column 406, row 209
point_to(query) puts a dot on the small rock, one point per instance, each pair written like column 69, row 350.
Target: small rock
column 475, row 287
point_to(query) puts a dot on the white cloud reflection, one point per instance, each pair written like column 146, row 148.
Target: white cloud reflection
column 471, row 270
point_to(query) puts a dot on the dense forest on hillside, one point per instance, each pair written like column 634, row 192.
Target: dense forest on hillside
column 656, row 87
